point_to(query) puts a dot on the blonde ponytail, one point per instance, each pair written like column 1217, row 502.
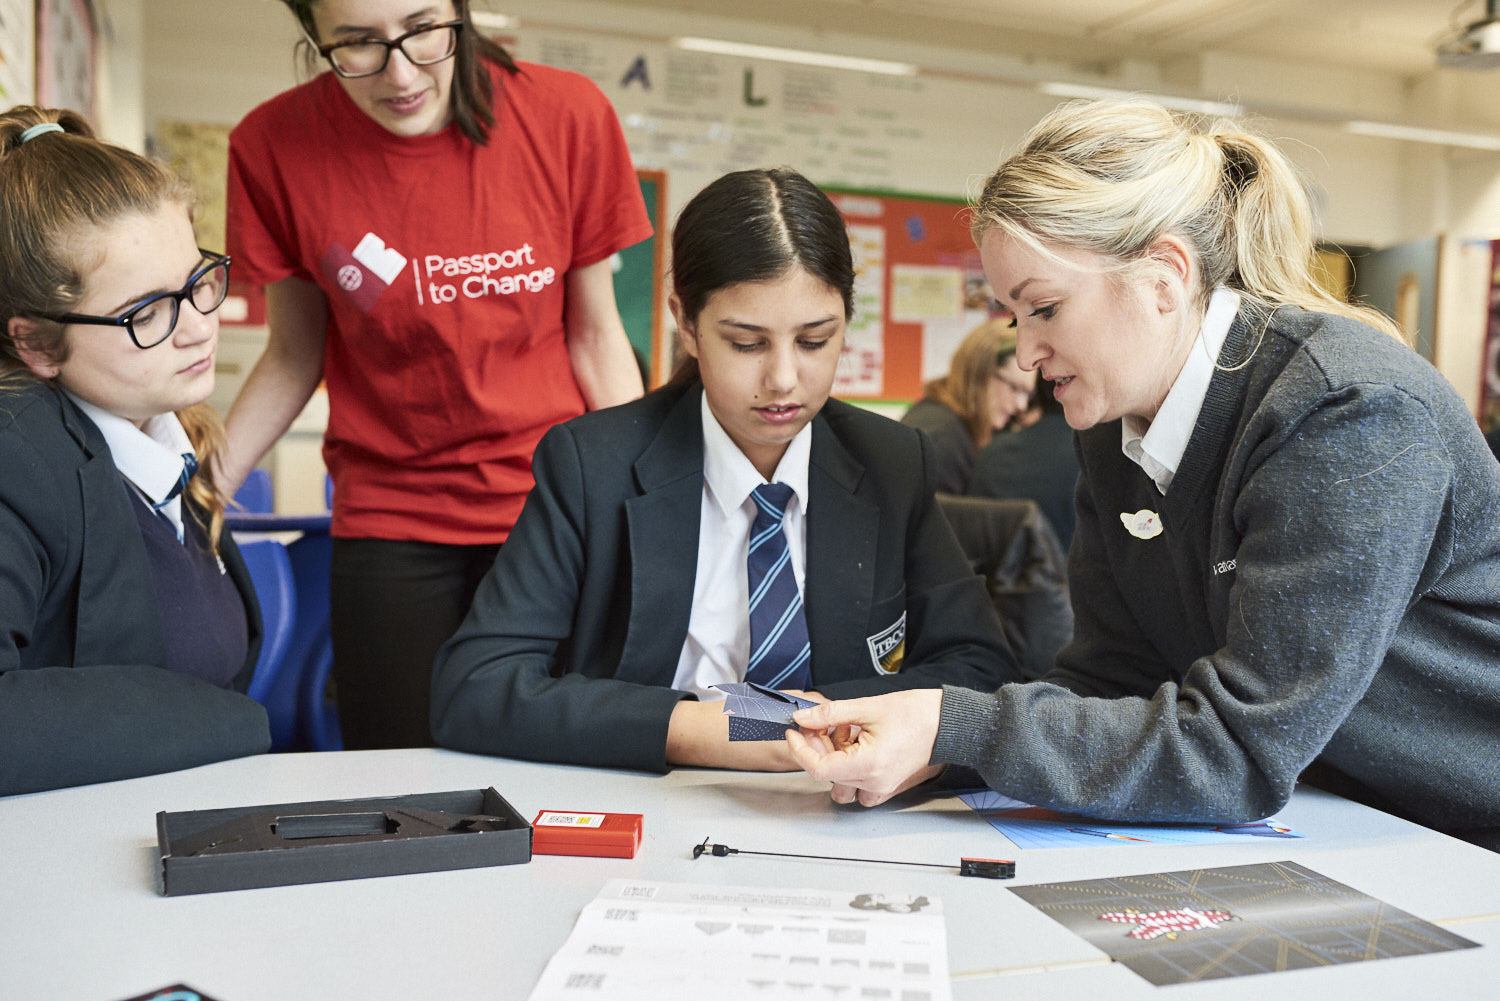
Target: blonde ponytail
column 1271, row 222
column 1111, row 177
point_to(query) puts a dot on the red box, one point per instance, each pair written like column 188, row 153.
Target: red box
column 604, row 835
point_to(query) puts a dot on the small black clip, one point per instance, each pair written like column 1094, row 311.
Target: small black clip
column 718, row 851
column 987, row 868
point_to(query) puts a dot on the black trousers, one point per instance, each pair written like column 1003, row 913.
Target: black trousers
column 392, row 605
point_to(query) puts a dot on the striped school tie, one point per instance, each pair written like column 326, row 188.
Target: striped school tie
column 189, row 467
column 780, row 655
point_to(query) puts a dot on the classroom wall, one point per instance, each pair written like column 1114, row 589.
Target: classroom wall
column 940, row 133
column 216, row 68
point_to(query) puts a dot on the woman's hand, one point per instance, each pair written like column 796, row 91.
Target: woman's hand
column 870, row 749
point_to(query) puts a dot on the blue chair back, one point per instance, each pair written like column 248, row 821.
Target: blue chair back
column 255, row 495
column 271, row 574
column 312, row 647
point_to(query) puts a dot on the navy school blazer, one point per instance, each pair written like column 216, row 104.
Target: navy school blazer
column 82, row 695
column 570, row 648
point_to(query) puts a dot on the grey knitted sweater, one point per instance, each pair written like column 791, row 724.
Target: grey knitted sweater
column 1326, row 586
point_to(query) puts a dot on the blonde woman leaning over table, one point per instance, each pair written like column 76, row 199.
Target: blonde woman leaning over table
column 1287, row 559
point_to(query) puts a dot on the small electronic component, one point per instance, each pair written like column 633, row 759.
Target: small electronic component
column 601, row 835
column 984, row 868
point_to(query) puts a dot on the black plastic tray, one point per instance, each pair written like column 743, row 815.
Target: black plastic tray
column 281, row 844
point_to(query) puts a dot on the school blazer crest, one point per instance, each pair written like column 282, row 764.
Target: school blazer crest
column 577, row 630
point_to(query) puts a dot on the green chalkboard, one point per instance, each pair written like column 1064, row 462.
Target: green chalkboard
column 638, row 279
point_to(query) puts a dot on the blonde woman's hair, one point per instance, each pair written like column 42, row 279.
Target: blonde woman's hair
column 1112, row 176
column 54, row 189
column 965, row 389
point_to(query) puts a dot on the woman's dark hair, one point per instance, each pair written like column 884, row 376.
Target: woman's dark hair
column 473, row 92
column 755, row 226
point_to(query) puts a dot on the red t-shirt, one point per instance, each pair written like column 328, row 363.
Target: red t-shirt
column 443, row 264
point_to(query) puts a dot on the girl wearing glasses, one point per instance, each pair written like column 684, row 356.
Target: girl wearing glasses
column 128, row 626
column 433, row 223
column 736, row 525
column 961, row 411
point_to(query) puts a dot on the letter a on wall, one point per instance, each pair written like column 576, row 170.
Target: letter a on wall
column 638, row 73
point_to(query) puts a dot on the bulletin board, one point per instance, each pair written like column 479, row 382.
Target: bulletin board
column 919, row 289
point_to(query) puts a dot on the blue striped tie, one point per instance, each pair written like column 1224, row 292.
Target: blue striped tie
column 780, row 654
column 189, row 467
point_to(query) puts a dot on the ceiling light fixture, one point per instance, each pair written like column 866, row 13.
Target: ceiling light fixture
column 1442, row 137
column 1192, row 104
column 492, row 21
column 800, row 56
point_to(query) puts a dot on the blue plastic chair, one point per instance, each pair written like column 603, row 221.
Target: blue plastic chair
column 255, row 495
column 312, row 645
column 271, row 575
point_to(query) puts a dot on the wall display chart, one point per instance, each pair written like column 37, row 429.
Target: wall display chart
column 65, row 66
column 697, row 116
column 17, row 52
column 918, row 290
column 199, row 151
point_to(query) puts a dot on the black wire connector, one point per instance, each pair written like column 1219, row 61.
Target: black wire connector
column 984, row 868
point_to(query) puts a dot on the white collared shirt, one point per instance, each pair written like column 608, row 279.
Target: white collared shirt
column 150, row 459
column 717, row 647
column 1157, row 446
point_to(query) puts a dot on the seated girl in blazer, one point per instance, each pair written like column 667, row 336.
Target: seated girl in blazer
column 128, row 627
column 647, row 567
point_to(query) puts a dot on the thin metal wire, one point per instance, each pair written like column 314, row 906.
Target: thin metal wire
column 708, row 850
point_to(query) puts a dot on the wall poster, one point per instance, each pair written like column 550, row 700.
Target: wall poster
column 65, row 55
column 919, row 290
column 17, row 52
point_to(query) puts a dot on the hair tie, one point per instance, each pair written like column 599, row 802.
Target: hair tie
column 39, row 129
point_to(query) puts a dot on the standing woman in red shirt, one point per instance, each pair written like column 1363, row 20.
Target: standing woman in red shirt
column 433, row 223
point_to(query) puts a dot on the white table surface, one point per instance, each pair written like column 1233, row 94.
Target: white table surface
column 84, row 921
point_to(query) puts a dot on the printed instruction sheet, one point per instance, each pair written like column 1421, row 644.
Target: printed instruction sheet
column 650, row 940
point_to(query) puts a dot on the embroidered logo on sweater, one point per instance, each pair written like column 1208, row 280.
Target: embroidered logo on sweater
column 888, row 647
column 1224, row 566
column 1143, row 524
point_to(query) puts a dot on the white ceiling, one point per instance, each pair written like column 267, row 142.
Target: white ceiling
column 1392, row 36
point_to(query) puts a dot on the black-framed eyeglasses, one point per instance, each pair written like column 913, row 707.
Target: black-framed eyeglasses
column 431, row 43
column 152, row 320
